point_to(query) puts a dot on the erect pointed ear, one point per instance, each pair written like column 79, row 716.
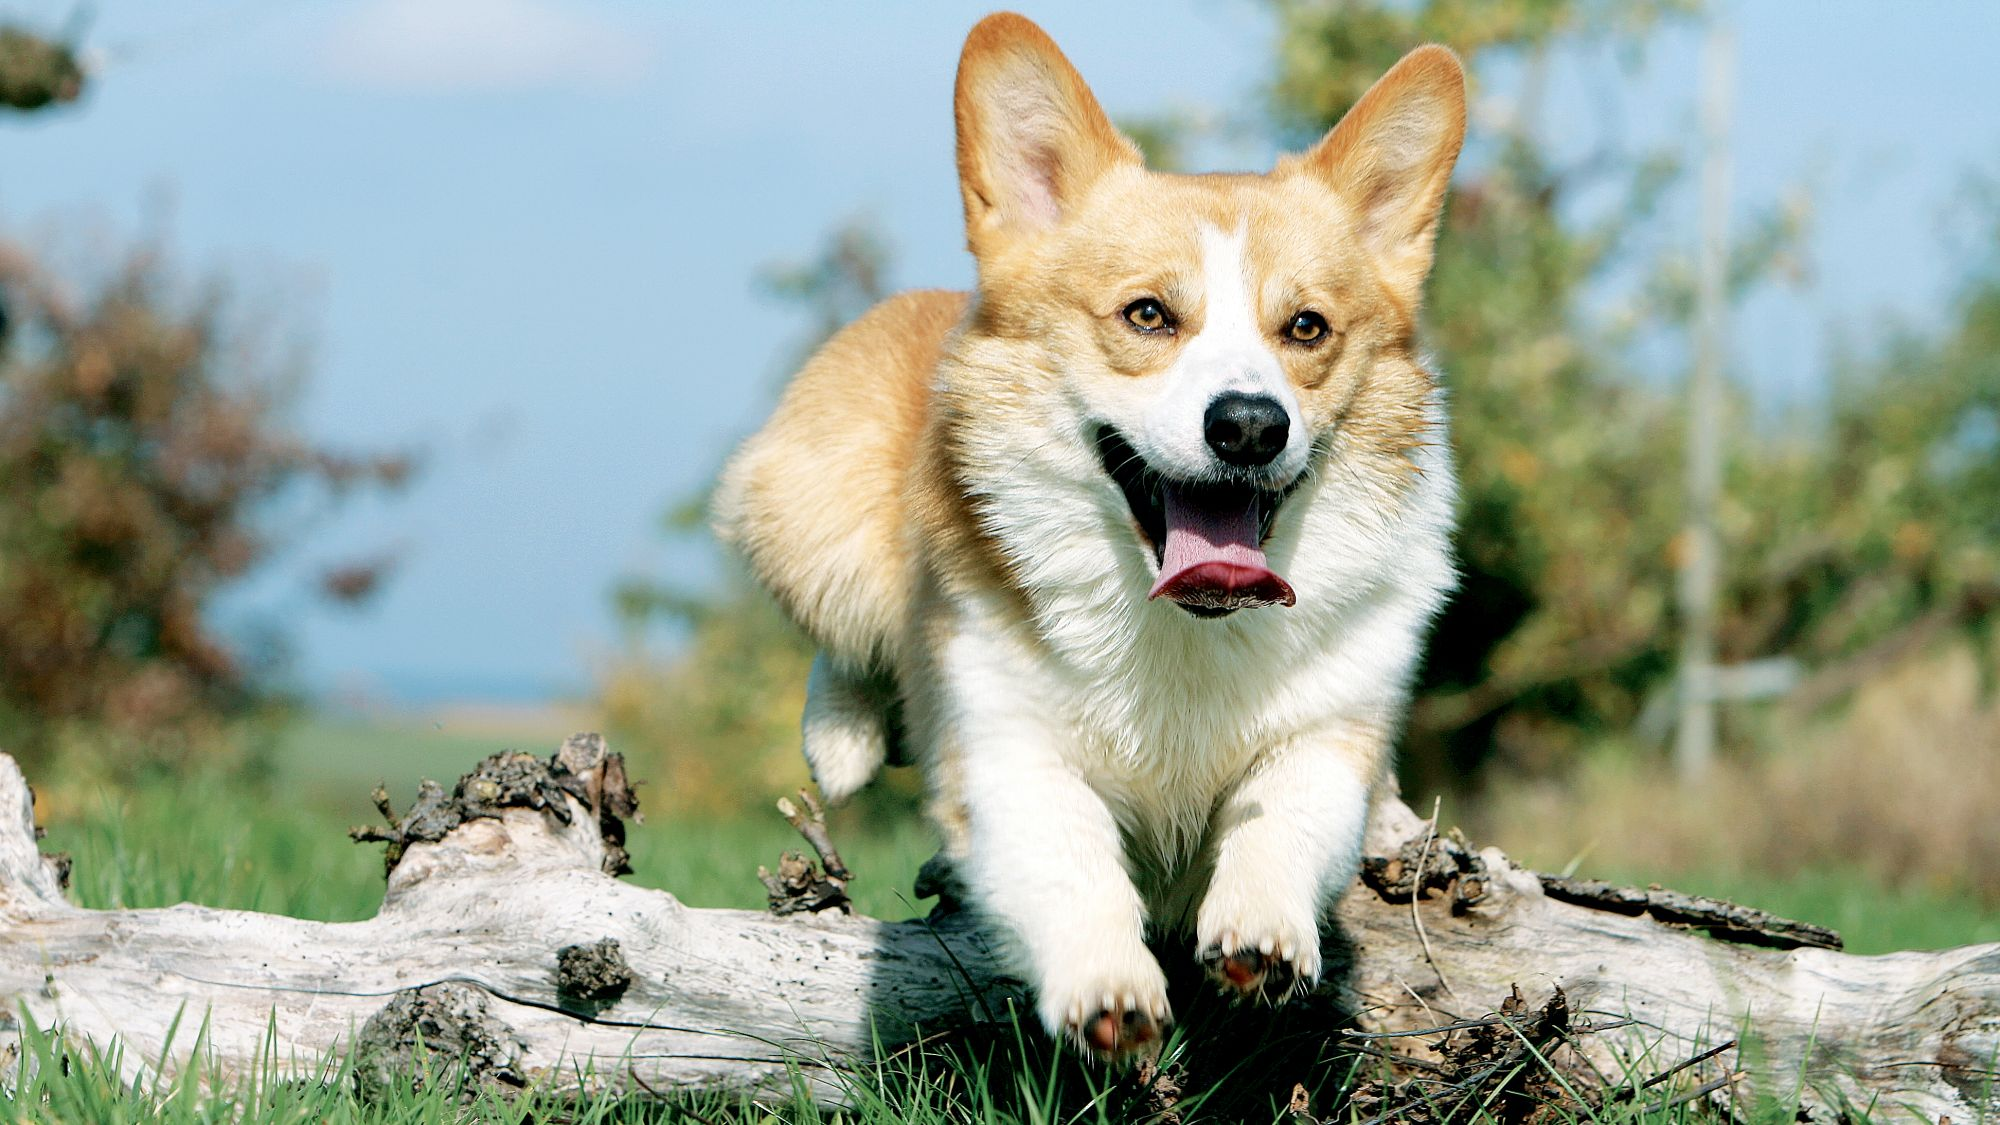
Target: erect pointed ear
column 1391, row 157
column 1031, row 138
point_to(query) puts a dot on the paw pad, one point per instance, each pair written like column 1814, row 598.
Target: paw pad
column 1251, row 974
column 1117, row 1032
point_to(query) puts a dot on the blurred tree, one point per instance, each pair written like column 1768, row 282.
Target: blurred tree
column 143, row 444
column 1570, row 498
column 1891, row 503
column 36, row 71
column 1844, row 542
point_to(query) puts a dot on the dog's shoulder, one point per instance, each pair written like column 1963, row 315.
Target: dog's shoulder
column 815, row 500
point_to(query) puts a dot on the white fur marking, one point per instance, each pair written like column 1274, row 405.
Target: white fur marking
column 1232, row 352
column 845, row 732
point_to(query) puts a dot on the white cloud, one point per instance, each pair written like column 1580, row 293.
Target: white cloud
column 484, row 45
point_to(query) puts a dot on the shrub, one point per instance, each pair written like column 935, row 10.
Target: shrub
column 144, row 445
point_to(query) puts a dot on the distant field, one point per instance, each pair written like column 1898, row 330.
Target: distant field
column 292, row 854
column 256, row 853
column 338, row 759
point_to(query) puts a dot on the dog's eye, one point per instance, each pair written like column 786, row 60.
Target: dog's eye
column 1307, row 327
column 1148, row 315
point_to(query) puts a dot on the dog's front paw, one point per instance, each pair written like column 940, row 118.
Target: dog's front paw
column 1253, row 974
column 1112, row 1012
column 1269, row 961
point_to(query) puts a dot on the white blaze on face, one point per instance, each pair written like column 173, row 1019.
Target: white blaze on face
column 1232, row 352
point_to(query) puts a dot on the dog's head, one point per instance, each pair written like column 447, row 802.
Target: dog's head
column 1203, row 336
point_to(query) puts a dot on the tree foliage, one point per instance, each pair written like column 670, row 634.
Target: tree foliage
column 37, row 72
column 1844, row 527
column 143, row 442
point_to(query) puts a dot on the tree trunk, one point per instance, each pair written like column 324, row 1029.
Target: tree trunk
column 505, row 939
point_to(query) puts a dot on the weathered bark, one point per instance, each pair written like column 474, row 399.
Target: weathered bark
column 504, row 939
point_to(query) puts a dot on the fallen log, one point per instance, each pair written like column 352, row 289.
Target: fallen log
column 506, row 940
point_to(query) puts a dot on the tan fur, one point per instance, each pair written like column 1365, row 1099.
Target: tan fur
column 1003, row 137
column 815, row 500
column 928, row 502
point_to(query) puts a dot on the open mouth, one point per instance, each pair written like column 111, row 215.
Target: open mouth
column 1208, row 537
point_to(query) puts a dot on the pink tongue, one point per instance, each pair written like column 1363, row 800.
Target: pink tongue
column 1212, row 558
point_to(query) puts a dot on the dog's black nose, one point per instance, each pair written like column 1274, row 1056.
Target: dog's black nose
column 1245, row 429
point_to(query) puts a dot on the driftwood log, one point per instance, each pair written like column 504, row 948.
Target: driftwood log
column 506, row 941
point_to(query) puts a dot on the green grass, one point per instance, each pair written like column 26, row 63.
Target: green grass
column 207, row 841
column 1871, row 917
column 283, row 848
column 61, row 1084
column 203, row 840
column 1007, row 1079
column 337, row 759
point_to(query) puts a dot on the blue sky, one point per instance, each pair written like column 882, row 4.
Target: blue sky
column 524, row 236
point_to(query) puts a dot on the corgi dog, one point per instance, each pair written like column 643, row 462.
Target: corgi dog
column 1132, row 548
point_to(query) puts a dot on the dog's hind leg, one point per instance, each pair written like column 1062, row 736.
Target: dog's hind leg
column 850, row 726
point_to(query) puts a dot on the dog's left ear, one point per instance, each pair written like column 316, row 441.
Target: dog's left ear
column 1031, row 137
column 1391, row 157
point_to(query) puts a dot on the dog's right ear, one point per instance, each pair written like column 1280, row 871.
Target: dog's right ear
column 1031, row 137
